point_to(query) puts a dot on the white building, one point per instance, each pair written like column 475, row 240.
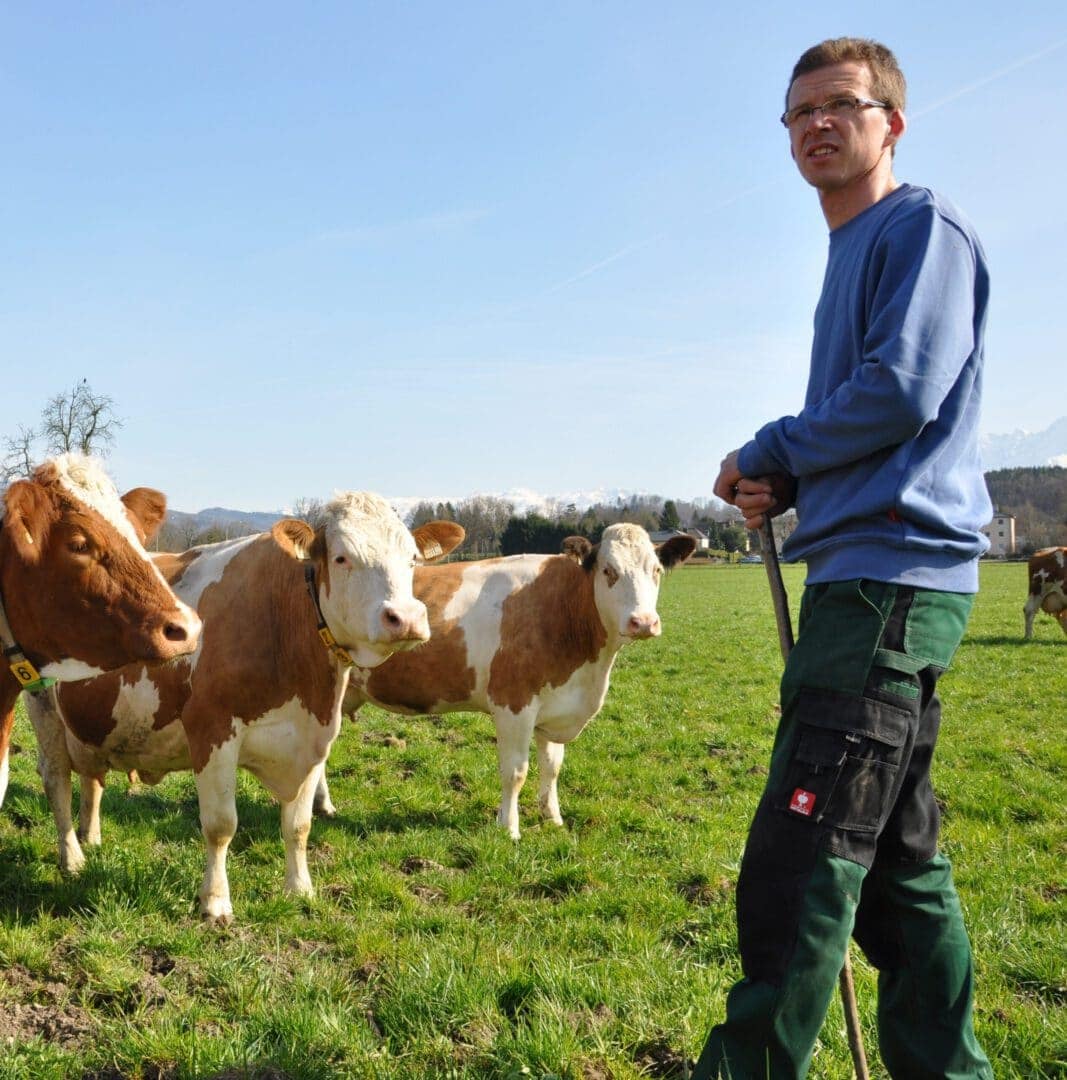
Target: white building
column 1001, row 533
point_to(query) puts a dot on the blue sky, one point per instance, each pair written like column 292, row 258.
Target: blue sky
column 436, row 249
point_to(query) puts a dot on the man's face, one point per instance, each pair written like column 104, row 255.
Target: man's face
column 832, row 152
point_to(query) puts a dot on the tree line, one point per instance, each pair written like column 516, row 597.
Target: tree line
column 1037, row 498
column 83, row 420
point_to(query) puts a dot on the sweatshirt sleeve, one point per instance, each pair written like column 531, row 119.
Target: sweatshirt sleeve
column 919, row 334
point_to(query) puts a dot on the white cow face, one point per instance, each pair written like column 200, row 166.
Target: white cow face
column 366, row 558
column 627, row 572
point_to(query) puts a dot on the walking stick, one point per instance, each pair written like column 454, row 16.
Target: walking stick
column 785, row 640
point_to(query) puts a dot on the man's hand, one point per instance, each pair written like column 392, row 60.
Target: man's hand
column 754, row 496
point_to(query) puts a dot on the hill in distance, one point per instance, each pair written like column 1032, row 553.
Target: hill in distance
column 1017, row 450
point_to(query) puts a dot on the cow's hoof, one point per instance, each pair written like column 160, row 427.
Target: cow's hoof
column 219, row 920
column 72, row 864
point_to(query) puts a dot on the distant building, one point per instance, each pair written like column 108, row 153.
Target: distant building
column 1001, row 533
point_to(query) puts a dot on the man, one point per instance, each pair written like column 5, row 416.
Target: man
column 882, row 463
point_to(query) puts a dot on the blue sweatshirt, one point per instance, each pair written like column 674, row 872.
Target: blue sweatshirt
column 885, row 450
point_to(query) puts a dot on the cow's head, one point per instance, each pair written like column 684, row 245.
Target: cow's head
column 365, row 558
column 626, row 570
column 79, row 590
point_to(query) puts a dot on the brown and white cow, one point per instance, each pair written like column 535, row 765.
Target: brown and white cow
column 264, row 689
column 1048, row 587
column 78, row 590
column 530, row 640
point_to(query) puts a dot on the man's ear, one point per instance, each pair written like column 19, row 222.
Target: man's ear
column 896, row 125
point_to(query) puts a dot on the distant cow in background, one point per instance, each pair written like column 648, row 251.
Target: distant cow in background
column 78, row 594
column 530, row 640
column 286, row 614
column 1048, row 587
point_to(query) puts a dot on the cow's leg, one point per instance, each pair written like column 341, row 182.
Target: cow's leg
column 55, row 767
column 7, row 722
column 513, row 734
column 549, row 762
column 216, row 787
column 91, row 792
column 323, row 806
column 296, row 824
column 1033, row 603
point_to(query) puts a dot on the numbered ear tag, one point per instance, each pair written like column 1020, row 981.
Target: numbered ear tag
column 29, row 677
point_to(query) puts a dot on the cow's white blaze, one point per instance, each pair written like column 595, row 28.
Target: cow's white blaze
column 626, row 587
column 84, row 479
column 368, row 601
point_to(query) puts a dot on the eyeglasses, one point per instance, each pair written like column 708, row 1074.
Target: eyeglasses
column 838, row 106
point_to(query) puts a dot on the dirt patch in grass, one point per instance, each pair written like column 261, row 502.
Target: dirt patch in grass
column 48, row 1014
column 657, row 1058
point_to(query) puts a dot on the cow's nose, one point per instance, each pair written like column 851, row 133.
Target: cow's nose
column 401, row 625
column 178, row 633
column 643, row 626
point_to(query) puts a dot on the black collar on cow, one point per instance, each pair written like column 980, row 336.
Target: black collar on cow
column 339, row 652
column 29, row 678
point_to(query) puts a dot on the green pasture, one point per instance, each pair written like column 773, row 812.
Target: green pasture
column 437, row 947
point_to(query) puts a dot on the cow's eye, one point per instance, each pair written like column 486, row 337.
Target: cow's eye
column 340, row 560
column 78, row 545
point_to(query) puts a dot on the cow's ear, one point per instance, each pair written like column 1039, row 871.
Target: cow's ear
column 589, row 562
column 146, row 509
column 28, row 515
column 576, row 547
column 675, row 551
column 296, row 538
column 436, row 539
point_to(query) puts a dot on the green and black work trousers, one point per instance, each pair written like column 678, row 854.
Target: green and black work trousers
column 844, row 842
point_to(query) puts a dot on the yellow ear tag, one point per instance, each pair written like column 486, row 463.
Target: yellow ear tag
column 29, row 677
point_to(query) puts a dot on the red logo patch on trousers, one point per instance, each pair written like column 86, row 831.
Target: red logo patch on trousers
column 802, row 802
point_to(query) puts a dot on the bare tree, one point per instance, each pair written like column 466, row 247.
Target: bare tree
column 81, row 420
column 18, row 456
column 309, row 509
column 484, row 517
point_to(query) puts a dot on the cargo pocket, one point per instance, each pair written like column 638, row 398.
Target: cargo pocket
column 843, row 769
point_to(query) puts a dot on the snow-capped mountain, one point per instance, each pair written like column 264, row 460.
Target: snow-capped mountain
column 1026, row 448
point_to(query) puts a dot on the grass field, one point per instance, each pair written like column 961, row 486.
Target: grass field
column 437, row 947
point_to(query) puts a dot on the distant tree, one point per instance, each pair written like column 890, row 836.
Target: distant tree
column 81, row 420
column 309, row 509
column 420, row 514
column 18, row 455
column 533, row 532
column 669, row 519
column 484, row 517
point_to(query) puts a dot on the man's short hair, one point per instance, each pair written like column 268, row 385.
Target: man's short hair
column 887, row 80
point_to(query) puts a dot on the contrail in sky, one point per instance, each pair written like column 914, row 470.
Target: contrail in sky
column 622, row 253
column 970, row 87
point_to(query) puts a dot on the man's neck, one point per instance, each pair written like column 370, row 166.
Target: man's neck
column 841, row 205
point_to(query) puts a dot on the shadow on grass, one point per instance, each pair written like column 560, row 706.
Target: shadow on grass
column 32, row 887
column 1017, row 640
